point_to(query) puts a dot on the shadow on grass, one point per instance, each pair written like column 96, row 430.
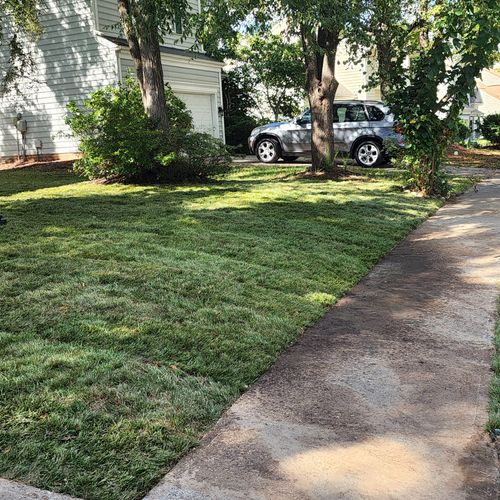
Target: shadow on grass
column 162, row 258
column 32, row 179
column 131, row 316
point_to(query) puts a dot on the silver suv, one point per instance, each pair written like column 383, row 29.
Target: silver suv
column 361, row 129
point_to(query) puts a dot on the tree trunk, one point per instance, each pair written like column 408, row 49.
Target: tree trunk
column 321, row 89
column 384, row 59
column 133, row 43
column 144, row 46
column 153, row 84
column 322, row 136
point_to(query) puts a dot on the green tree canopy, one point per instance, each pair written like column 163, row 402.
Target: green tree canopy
column 441, row 49
column 19, row 28
column 274, row 65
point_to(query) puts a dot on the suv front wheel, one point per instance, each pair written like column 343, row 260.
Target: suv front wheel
column 268, row 150
column 368, row 153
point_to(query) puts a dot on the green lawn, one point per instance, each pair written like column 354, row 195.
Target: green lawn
column 494, row 420
column 131, row 316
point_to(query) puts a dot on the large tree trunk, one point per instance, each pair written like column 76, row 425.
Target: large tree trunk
column 322, row 136
column 321, row 89
column 144, row 46
column 153, row 84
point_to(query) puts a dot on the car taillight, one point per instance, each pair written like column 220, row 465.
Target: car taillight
column 398, row 128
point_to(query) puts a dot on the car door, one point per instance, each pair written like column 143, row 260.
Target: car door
column 297, row 137
column 349, row 122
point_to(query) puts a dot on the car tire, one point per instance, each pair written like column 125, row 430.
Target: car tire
column 268, row 150
column 369, row 153
column 289, row 158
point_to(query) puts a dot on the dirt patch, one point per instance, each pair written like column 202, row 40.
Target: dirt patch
column 43, row 166
column 478, row 158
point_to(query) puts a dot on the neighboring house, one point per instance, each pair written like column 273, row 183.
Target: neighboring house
column 488, row 92
column 353, row 78
column 80, row 51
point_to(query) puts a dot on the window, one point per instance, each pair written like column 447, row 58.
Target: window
column 178, row 24
column 348, row 113
column 305, row 118
column 339, row 113
column 375, row 114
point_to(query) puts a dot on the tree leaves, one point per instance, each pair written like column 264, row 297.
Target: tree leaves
column 432, row 74
column 19, row 28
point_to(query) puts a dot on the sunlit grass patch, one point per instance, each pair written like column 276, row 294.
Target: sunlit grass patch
column 131, row 316
column 494, row 417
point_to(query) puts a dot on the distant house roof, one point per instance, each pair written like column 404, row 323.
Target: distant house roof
column 489, row 83
column 493, row 91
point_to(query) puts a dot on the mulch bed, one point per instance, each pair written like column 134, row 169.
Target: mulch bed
column 42, row 165
column 481, row 158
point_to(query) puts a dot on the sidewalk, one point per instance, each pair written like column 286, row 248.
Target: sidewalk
column 386, row 396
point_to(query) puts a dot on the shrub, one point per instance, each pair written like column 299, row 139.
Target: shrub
column 412, row 177
column 462, row 132
column 118, row 140
column 490, row 128
column 238, row 128
column 199, row 156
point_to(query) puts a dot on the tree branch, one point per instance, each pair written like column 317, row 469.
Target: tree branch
column 133, row 42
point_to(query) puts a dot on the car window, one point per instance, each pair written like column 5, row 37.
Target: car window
column 375, row 114
column 306, row 117
column 339, row 112
column 348, row 113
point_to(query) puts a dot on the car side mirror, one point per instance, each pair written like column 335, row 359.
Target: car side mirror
column 299, row 121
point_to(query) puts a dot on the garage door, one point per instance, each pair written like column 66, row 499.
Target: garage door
column 201, row 108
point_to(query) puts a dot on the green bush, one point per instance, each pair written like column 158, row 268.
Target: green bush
column 238, row 128
column 119, row 141
column 462, row 132
column 412, row 178
column 199, row 156
column 490, row 128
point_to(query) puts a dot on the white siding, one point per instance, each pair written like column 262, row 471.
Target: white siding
column 108, row 22
column 185, row 76
column 71, row 62
column 353, row 78
column 350, row 76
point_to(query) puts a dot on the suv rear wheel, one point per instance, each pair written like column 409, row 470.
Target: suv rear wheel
column 368, row 153
column 268, row 150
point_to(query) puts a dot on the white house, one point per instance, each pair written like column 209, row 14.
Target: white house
column 81, row 49
column 488, row 92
